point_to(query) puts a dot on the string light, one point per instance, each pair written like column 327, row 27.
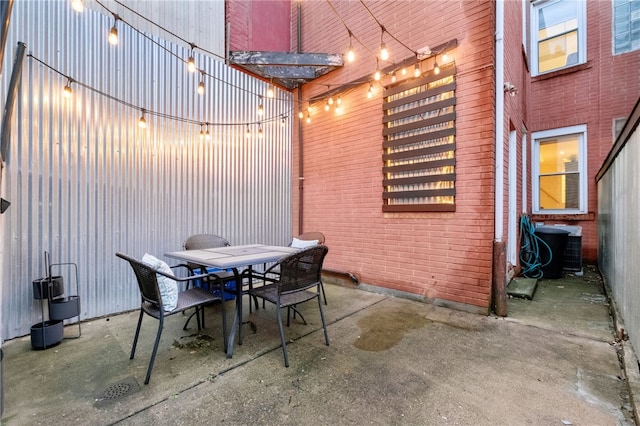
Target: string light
column 327, row 106
column 260, row 132
column 330, row 100
column 351, row 56
column 78, row 6
column 113, row 33
column 260, row 107
column 248, row 132
column 207, row 135
column 370, row 92
column 436, row 68
column 393, row 77
column 308, row 117
column 300, row 115
column 191, row 62
column 201, row 132
column 339, row 100
column 404, row 71
column 283, row 122
column 270, row 91
column 416, row 71
column 384, row 53
column 67, row 89
column 377, row 75
column 201, row 87
column 142, row 123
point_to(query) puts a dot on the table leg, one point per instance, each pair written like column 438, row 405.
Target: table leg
column 237, row 316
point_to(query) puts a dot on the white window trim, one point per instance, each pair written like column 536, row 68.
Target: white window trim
column 535, row 167
column 582, row 34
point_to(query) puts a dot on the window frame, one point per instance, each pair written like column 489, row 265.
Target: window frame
column 581, row 28
column 536, row 138
column 615, row 49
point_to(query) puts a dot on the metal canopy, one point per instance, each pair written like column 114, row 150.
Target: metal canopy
column 286, row 69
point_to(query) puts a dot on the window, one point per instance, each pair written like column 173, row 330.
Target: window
column 560, row 171
column 419, row 143
column 558, row 34
column 626, row 26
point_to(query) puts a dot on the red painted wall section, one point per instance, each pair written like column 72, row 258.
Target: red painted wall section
column 444, row 257
column 595, row 93
column 259, row 25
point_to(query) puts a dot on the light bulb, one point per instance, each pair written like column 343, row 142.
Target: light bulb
column 351, row 56
column 339, row 100
column 436, row 68
column 270, row 91
column 260, row 110
column 260, row 133
column 393, row 77
column 248, row 132
column 283, row 122
column 445, row 57
column 301, row 115
column 201, row 134
column 416, row 71
column 191, row 64
column 370, row 92
column 384, row 53
column 77, row 5
column 201, row 88
column 327, row 107
column 142, row 122
column 113, row 35
column 330, row 100
column 308, row 118
column 377, row 75
column 404, row 71
column 207, row 135
column 67, row 91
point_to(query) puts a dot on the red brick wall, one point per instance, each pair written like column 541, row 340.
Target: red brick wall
column 446, row 257
column 594, row 94
column 259, row 25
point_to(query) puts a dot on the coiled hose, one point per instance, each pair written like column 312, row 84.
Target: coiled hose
column 530, row 249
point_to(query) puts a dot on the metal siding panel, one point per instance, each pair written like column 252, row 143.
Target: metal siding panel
column 84, row 181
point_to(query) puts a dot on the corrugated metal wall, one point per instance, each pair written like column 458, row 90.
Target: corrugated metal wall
column 618, row 231
column 85, row 181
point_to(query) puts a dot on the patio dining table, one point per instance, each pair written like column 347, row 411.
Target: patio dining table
column 234, row 258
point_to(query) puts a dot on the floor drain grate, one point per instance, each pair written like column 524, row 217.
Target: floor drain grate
column 117, row 391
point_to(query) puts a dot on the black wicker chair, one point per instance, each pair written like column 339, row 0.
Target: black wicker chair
column 151, row 302
column 298, row 281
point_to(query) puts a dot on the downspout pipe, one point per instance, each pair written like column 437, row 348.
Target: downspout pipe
column 499, row 142
column 300, row 136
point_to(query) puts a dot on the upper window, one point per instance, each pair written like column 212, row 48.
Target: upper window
column 558, row 34
column 560, row 171
column 626, row 26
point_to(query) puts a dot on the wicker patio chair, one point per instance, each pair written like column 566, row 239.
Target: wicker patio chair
column 298, row 282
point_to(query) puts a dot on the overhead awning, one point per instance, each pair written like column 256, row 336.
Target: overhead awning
column 285, row 69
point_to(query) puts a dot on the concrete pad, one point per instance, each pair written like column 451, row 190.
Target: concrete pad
column 522, row 287
column 390, row 361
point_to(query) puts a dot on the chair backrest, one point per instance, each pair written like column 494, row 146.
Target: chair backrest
column 302, row 270
column 203, row 241
column 147, row 280
column 313, row 235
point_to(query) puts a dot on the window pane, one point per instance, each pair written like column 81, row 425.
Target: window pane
column 557, row 18
column 559, row 173
column 558, row 52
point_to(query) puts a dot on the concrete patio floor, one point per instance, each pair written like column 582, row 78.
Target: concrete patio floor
column 552, row 361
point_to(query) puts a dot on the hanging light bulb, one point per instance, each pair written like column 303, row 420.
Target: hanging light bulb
column 300, row 115
column 416, row 71
column 248, row 132
column 142, row 122
column 404, row 71
column 270, row 91
column 113, row 34
column 201, row 88
column 207, row 135
column 260, row 108
column 260, row 132
column 308, row 117
column 393, row 77
column 327, row 107
column 330, row 100
column 283, row 122
column 201, row 132
column 67, row 89
column 370, row 92
column 377, row 75
column 436, row 68
column 77, row 5
column 339, row 100
column 445, row 57
column 351, row 56
column 384, row 53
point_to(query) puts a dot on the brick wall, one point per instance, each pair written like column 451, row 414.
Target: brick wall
column 445, row 257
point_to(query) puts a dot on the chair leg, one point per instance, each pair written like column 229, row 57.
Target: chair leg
column 282, row 338
column 324, row 295
column 135, row 338
column 155, row 349
column 324, row 324
column 224, row 323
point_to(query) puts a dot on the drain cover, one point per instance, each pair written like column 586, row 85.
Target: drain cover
column 116, row 391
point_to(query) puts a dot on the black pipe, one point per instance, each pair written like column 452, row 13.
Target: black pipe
column 300, row 150
column 11, row 97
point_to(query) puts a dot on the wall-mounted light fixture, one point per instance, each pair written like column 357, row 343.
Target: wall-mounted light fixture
column 510, row 89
